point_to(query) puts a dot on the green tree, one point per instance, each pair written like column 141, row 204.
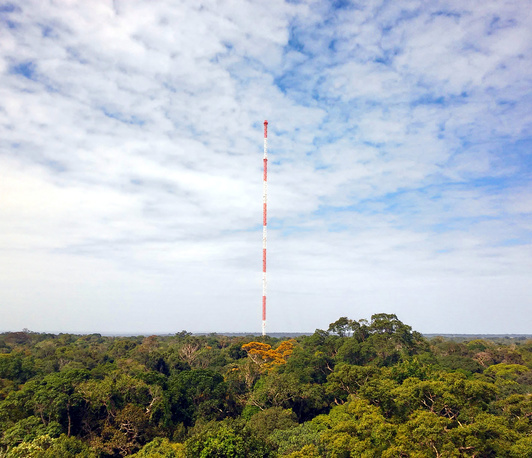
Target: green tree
column 225, row 439
column 46, row 446
column 161, row 448
column 424, row 434
column 303, row 438
column 199, row 393
column 16, row 368
column 522, row 448
column 450, row 395
column 282, row 389
column 487, row 436
column 356, row 428
column 27, row 429
column 342, row 327
column 265, row 422
column 348, row 379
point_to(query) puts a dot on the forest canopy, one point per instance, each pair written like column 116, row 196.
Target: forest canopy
column 372, row 388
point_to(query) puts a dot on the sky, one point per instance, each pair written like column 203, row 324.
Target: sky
column 131, row 145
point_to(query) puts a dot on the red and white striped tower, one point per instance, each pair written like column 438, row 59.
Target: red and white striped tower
column 264, row 218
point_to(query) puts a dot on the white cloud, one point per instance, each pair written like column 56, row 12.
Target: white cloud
column 131, row 150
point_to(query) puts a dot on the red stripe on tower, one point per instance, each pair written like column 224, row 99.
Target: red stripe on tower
column 264, row 232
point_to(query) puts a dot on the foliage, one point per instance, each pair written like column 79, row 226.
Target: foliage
column 368, row 388
column 268, row 358
column 225, row 439
column 45, row 446
column 161, row 448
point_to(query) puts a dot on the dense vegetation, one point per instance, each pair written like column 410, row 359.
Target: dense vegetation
column 368, row 389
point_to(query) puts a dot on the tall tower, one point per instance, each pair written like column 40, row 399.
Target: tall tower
column 264, row 220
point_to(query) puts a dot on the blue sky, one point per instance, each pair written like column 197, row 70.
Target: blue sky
column 400, row 142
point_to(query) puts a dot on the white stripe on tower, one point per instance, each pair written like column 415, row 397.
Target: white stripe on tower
column 264, row 218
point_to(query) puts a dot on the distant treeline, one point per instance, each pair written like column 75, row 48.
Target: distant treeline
column 366, row 388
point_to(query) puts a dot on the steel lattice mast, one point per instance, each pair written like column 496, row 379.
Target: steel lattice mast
column 264, row 221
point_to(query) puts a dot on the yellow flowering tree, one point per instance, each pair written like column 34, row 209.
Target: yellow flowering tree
column 267, row 357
